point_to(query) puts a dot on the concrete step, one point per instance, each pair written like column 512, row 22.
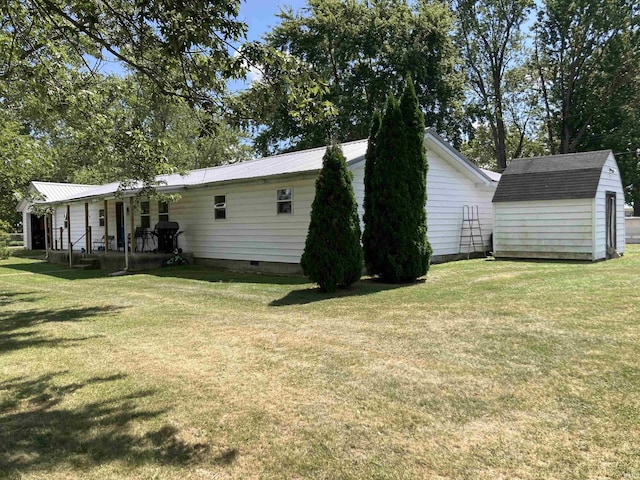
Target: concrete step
column 87, row 263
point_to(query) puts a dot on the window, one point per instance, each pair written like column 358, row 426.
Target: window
column 145, row 215
column 220, row 207
column 163, row 212
column 101, row 217
column 284, row 197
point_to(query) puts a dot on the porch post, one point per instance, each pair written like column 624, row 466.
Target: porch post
column 106, row 228
column 86, row 228
column 124, row 227
column 132, row 220
column 46, row 235
column 69, row 246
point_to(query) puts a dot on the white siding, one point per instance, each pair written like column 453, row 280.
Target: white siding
column 252, row 229
column 448, row 190
column 609, row 182
column 554, row 227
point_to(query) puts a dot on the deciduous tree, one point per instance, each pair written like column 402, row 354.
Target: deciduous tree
column 359, row 50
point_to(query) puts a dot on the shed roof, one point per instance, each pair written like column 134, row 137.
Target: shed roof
column 554, row 177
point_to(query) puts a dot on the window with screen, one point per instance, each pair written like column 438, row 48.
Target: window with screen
column 163, row 212
column 284, row 200
column 220, row 207
column 145, row 215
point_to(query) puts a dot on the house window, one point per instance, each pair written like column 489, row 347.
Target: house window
column 145, row 215
column 220, row 207
column 284, row 199
column 163, row 212
column 101, row 217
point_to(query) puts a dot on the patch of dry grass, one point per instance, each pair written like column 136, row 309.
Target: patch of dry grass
column 485, row 370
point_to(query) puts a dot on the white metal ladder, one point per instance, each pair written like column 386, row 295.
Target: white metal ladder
column 471, row 231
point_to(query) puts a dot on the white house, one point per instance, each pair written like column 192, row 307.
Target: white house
column 255, row 215
column 561, row 207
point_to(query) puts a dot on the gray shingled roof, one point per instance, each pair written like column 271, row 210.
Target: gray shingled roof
column 555, row 177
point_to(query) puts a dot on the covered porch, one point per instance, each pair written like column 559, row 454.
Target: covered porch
column 121, row 233
column 113, row 261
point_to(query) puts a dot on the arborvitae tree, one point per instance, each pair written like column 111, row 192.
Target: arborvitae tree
column 389, row 201
column 419, row 253
column 370, row 160
column 400, row 250
column 332, row 253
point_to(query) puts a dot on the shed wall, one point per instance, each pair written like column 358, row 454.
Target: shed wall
column 609, row 182
column 560, row 229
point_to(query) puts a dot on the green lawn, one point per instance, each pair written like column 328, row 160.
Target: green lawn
column 485, row 370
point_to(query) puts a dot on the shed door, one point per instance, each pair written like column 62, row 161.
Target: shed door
column 611, row 224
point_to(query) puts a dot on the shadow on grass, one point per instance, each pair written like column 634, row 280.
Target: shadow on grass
column 358, row 289
column 42, row 267
column 8, row 298
column 207, row 274
column 10, row 322
column 42, row 432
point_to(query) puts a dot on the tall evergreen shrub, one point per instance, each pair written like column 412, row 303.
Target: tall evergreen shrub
column 399, row 249
column 332, row 253
column 419, row 254
column 368, row 217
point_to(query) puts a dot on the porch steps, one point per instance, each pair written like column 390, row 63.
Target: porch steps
column 89, row 262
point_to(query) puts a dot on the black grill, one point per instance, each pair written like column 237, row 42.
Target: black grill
column 167, row 233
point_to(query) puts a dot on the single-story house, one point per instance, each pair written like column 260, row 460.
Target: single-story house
column 255, row 215
column 560, row 207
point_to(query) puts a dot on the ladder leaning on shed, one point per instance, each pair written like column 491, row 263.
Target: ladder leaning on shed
column 471, row 232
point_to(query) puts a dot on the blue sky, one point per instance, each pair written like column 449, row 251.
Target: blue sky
column 260, row 15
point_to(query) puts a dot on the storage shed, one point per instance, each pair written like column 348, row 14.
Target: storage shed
column 560, row 207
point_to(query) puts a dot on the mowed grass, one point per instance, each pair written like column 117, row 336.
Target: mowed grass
column 485, row 370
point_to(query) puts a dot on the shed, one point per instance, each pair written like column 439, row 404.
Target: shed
column 560, row 207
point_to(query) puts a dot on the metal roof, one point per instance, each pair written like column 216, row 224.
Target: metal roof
column 53, row 192
column 554, row 177
column 283, row 164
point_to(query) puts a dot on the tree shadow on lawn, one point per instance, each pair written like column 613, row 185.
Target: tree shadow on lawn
column 40, row 433
column 13, row 335
column 360, row 288
column 8, row 298
column 212, row 275
column 43, row 267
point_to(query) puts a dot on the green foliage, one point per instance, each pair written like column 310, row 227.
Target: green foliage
column 587, row 56
column 5, row 228
column 356, row 50
column 419, row 249
column 182, row 48
column 490, row 39
column 398, row 248
column 369, row 169
column 332, row 253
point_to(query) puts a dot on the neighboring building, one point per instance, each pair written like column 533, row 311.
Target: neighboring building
column 255, row 215
column 560, row 207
